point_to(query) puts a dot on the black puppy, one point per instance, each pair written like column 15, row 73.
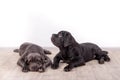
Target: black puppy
column 75, row 54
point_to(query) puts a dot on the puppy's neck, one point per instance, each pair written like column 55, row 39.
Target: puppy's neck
column 69, row 46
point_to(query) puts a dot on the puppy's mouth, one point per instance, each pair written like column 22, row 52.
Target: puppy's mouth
column 53, row 38
column 56, row 40
column 36, row 69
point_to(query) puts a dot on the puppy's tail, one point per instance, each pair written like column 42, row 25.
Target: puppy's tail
column 47, row 52
column 16, row 50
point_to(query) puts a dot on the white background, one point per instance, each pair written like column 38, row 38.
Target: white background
column 96, row 21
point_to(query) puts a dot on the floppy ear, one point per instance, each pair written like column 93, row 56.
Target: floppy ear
column 68, row 40
column 26, row 60
column 41, row 60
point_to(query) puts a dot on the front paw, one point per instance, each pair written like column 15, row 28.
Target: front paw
column 25, row 69
column 67, row 68
column 54, row 66
column 42, row 70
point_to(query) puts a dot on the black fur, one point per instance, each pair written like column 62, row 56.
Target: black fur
column 75, row 54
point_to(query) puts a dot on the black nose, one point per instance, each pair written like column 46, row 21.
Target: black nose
column 54, row 35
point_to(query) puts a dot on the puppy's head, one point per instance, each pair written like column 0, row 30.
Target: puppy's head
column 62, row 39
column 34, row 61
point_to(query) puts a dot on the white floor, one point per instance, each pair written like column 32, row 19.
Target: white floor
column 91, row 71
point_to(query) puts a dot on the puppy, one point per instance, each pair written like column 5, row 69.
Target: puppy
column 75, row 54
column 33, row 57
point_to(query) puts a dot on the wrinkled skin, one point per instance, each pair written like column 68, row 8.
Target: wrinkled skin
column 33, row 58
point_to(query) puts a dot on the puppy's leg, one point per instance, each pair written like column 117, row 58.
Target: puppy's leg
column 16, row 50
column 19, row 51
column 47, row 62
column 20, row 62
column 105, row 55
column 46, row 51
column 102, row 56
column 23, row 65
column 74, row 63
column 56, row 61
column 101, row 60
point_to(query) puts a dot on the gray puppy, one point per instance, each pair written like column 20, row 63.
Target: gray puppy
column 33, row 57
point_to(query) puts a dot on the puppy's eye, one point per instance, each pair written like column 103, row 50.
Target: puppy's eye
column 59, row 36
